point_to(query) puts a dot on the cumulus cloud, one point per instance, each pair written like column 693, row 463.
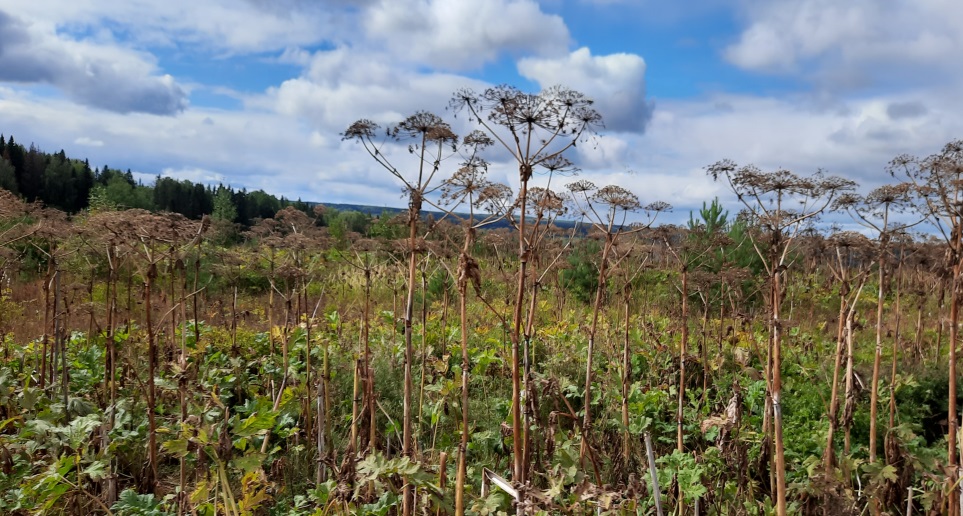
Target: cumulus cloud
column 224, row 26
column 603, row 152
column 616, row 82
column 840, row 39
column 911, row 109
column 464, row 34
column 89, row 142
column 856, row 142
column 194, row 174
column 342, row 85
column 107, row 77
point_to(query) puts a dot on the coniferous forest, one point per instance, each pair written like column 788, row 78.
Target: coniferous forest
column 554, row 347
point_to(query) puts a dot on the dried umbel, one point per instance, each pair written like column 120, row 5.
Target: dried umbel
column 937, row 182
column 617, row 198
column 14, row 216
column 467, row 181
column 608, row 207
column 559, row 115
column 361, row 129
column 545, row 202
column 427, row 125
column 854, row 243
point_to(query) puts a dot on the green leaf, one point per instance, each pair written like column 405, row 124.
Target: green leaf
column 97, row 470
column 177, row 447
column 255, row 423
column 29, row 397
column 130, row 503
column 249, row 462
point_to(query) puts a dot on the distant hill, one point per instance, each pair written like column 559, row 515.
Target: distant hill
column 378, row 210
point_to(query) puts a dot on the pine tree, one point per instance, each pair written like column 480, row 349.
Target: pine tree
column 8, row 178
column 224, row 208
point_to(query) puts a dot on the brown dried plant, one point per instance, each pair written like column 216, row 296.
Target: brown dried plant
column 781, row 203
column 535, row 130
column 432, row 142
column 607, row 209
column 938, row 187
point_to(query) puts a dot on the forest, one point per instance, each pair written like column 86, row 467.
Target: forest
column 556, row 348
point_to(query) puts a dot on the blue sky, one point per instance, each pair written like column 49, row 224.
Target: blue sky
column 255, row 92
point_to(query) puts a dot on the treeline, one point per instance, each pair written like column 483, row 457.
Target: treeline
column 71, row 185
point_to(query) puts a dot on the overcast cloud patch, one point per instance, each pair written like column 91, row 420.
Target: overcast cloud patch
column 616, row 83
column 899, row 110
column 109, row 78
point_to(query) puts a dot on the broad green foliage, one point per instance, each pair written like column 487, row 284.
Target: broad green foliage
column 581, row 278
column 130, row 503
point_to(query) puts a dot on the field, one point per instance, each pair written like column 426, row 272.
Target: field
column 741, row 364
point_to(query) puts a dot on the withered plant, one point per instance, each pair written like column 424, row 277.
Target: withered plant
column 533, row 129
column 607, row 209
column 153, row 236
column 781, row 202
column 851, row 267
column 938, row 185
column 876, row 212
column 468, row 187
column 432, row 142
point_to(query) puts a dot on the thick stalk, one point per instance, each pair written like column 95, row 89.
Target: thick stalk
column 308, row 380
column 829, row 456
column 406, row 448
column 48, row 281
column 182, row 389
column 369, row 369
column 776, row 396
column 517, row 451
column 326, row 390
column 59, row 343
column 941, row 320
column 461, row 474
column 197, row 274
column 656, row 491
column 897, row 341
column 355, row 404
column 683, row 344
column 953, row 474
column 626, row 381
column 877, row 359
column 918, row 336
column 110, row 372
column 151, row 365
column 590, row 351
column 172, row 341
column 850, row 393
column 527, row 377
column 424, row 360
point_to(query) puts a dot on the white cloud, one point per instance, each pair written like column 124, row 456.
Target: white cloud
column 602, row 152
column 852, row 41
column 464, row 34
column 220, row 25
column 104, row 76
column 616, row 82
column 343, row 85
column 856, row 142
column 89, row 142
column 194, row 174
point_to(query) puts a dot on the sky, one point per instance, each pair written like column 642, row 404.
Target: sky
column 255, row 93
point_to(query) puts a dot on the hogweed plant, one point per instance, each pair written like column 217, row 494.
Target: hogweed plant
column 433, row 142
column 781, row 202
